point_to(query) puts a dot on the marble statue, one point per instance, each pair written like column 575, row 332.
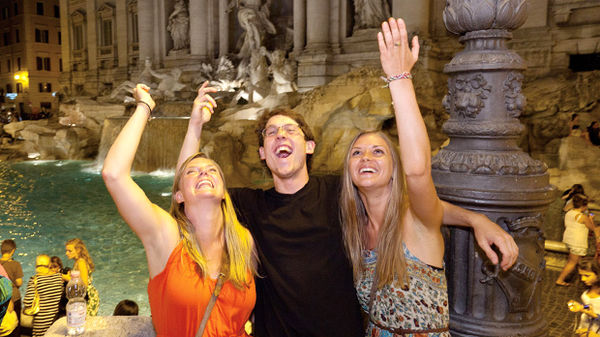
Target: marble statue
column 221, row 75
column 283, row 71
column 254, row 20
column 169, row 83
column 123, row 90
column 179, row 26
column 253, row 75
column 370, row 13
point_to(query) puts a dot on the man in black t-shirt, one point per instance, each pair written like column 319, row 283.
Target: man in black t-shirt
column 306, row 286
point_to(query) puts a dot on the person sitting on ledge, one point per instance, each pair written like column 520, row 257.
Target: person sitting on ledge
column 49, row 286
column 195, row 247
column 76, row 250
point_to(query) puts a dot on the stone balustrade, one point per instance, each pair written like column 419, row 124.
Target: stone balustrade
column 108, row 326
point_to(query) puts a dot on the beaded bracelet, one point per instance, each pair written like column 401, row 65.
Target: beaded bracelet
column 401, row 76
column 149, row 109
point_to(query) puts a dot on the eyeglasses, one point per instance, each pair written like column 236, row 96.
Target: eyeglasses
column 289, row 129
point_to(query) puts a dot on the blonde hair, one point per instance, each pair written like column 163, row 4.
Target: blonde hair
column 391, row 262
column 82, row 252
column 240, row 255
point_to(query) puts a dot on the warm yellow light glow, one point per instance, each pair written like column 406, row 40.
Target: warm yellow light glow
column 22, row 77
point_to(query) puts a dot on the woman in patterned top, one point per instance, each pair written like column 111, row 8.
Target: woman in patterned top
column 391, row 214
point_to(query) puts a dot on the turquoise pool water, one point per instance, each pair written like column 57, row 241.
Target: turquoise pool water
column 45, row 203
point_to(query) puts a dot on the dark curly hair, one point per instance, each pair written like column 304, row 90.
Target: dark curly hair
column 590, row 264
column 285, row 111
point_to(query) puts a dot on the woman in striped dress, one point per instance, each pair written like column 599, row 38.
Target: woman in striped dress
column 50, row 288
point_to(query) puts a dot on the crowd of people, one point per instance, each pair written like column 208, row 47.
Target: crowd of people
column 285, row 254
column 45, row 290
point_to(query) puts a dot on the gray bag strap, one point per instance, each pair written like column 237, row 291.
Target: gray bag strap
column 211, row 304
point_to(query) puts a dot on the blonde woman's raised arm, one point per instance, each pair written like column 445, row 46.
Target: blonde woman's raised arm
column 154, row 226
column 397, row 60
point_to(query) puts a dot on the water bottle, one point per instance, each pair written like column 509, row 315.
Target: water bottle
column 76, row 307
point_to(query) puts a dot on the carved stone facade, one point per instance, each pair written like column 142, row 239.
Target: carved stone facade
column 101, row 44
column 323, row 35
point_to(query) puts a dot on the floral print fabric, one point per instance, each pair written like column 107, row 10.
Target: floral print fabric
column 424, row 306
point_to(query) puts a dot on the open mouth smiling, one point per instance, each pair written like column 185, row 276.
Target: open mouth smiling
column 283, row 151
column 366, row 170
column 205, row 183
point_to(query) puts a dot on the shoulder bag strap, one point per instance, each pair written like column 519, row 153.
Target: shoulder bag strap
column 210, row 305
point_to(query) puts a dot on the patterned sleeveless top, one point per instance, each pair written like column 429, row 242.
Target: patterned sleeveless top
column 422, row 310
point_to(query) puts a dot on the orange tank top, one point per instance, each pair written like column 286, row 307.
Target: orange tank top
column 178, row 297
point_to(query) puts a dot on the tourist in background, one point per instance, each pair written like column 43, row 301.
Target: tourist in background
column 126, row 308
column 76, row 250
column 5, row 292
column 8, row 316
column 568, row 195
column 56, row 266
column 588, row 325
column 192, row 248
column 15, row 273
column 10, row 321
column 578, row 223
column 49, row 286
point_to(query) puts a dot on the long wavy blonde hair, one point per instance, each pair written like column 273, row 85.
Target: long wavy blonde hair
column 81, row 249
column 240, row 255
column 391, row 262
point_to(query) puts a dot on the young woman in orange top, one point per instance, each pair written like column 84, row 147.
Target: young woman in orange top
column 188, row 247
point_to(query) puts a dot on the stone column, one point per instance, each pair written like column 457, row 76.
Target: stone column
column 299, row 25
column 65, row 29
column 483, row 169
column 92, row 40
column 213, row 23
column 334, row 26
column 66, row 76
column 223, row 28
column 121, row 30
column 198, row 28
column 317, row 28
column 145, row 30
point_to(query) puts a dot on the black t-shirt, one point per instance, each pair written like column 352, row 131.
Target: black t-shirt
column 306, row 288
